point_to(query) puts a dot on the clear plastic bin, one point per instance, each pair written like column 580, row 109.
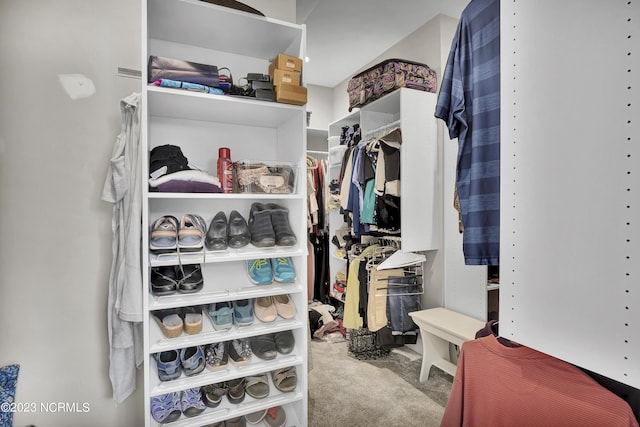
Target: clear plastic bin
column 264, row 177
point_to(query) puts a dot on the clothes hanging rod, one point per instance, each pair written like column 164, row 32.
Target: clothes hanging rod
column 382, row 129
column 317, row 152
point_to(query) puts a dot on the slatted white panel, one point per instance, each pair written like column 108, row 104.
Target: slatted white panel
column 570, row 186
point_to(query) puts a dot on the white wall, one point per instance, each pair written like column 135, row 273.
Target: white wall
column 423, row 45
column 56, row 245
column 55, row 251
column 320, row 105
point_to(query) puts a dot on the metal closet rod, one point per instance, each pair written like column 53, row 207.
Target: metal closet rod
column 382, row 129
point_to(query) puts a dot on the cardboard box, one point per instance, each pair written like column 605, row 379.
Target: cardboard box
column 288, row 93
column 286, row 62
column 283, row 76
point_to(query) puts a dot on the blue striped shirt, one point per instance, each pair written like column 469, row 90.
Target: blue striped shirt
column 469, row 103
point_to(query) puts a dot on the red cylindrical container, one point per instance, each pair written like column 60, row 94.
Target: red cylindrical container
column 225, row 170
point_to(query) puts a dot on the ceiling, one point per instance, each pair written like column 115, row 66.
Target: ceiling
column 345, row 35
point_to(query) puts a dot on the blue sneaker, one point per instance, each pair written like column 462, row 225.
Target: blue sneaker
column 243, row 312
column 283, row 270
column 260, row 272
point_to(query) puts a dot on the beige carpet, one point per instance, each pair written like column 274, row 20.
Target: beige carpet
column 345, row 391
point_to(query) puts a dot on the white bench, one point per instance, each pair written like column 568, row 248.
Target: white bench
column 439, row 327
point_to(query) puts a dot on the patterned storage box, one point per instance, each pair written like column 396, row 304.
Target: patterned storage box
column 386, row 77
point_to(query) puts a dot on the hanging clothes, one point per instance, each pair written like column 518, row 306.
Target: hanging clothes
column 123, row 188
column 313, row 208
column 469, row 104
column 497, row 385
column 353, row 318
column 388, row 167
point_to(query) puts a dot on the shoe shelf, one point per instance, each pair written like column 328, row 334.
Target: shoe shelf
column 256, row 366
column 228, row 255
column 158, row 342
column 206, row 296
column 227, row 410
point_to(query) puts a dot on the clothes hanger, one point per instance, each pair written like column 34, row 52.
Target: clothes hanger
column 402, row 259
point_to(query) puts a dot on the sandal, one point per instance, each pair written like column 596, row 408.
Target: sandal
column 166, row 408
column 235, row 422
column 192, row 404
column 192, row 360
column 239, row 351
column 168, row 365
column 212, row 394
column 243, row 312
column 163, row 236
column 236, row 390
column 190, row 278
column 275, row 417
column 216, row 356
column 255, row 417
column 192, row 319
column 169, row 322
column 164, row 280
column 258, row 386
column 221, row 314
column 285, row 379
column 191, row 233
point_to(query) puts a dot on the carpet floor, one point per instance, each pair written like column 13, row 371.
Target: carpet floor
column 346, row 391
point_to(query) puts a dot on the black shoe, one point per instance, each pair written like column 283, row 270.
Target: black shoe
column 264, row 347
column 281, row 227
column 284, row 341
column 191, row 281
column 237, row 231
column 164, row 280
column 216, row 238
column 260, row 227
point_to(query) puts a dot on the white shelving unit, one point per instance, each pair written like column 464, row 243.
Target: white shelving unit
column 254, row 130
column 569, row 185
column 420, row 177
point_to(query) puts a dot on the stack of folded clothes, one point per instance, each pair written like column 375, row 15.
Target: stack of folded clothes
column 169, row 171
